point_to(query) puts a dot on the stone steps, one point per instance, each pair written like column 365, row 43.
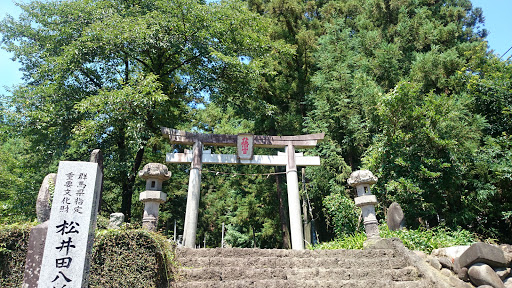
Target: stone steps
column 301, row 284
column 239, row 267
column 276, row 262
column 300, row 274
column 250, row 252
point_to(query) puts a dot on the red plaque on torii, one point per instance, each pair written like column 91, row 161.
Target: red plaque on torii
column 245, row 146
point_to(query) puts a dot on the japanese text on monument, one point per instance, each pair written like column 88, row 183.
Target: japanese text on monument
column 71, row 228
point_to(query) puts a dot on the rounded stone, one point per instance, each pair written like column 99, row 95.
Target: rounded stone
column 155, row 171
column 116, row 220
column 450, row 252
column 445, row 262
column 463, row 274
column 483, row 274
column 446, row 272
column 420, row 254
column 434, row 263
column 361, row 177
column 43, row 205
column 395, row 217
column 508, row 282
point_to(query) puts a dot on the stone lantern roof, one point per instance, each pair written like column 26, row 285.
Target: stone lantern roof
column 155, row 171
column 360, row 177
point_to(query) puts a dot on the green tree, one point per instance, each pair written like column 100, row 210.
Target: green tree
column 372, row 47
column 107, row 74
column 18, row 187
column 423, row 153
column 491, row 86
column 282, row 91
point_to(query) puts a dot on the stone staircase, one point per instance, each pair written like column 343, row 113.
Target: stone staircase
column 239, row 267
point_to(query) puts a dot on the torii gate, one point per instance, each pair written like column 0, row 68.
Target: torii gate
column 245, row 143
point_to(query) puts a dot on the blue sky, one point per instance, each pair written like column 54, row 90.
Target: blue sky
column 498, row 21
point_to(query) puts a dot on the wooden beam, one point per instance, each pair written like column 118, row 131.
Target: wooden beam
column 187, row 138
column 269, row 160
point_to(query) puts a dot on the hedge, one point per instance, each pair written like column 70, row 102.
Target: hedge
column 120, row 258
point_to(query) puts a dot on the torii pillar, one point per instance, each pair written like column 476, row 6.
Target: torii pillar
column 197, row 157
column 292, row 184
column 193, row 196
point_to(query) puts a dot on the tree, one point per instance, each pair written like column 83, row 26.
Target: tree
column 107, row 74
column 372, row 47
column 282, row 91
column 424, row 153
column 490, row 83
column 18, row 188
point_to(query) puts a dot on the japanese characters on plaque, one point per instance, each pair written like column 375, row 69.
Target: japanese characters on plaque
column 245, row 146
column 71, row 228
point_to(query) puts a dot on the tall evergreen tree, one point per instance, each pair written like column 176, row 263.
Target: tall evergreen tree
column 373, row 47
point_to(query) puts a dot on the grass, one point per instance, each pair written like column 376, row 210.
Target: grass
column 421, row 239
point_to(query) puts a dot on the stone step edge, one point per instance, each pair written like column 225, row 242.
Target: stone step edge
column 427, row 272
column 280, row 262
column 251, row 252
column 304, row 283
column 220, row 274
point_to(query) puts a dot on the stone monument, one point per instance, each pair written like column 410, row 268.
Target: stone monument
column 37, row 238
column 361, row 180
column 116, row 220
column 154, row 174
column 70, row 235
column 34, row 258
column 395, row 217
column 43, row 198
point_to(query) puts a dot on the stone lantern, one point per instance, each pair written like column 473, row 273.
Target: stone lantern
column 154, row 174
column 361, row 180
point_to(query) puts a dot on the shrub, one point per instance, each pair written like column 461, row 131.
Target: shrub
column 427, row 240
column 120, row 258
column 342, row 214
column 13, row 250
column 348, row 241
column 131, row 258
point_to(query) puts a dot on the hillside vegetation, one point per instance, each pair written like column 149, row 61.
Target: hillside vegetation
column 404, row 88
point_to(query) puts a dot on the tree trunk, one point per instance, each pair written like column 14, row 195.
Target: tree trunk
column 128, row 185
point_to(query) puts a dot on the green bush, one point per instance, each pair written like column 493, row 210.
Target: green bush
column 421, row 239
column 131, row 258
column 13, row 250
column 427, row 240
column 120, row 258
column 348, row 241
column 342, row 214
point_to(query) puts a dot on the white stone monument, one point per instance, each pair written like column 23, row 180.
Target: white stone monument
column 70, row 236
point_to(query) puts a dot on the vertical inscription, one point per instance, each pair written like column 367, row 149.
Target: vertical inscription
column 71, row 227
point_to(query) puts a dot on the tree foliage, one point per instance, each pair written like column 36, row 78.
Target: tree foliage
column 405, row 88
column 108, row 74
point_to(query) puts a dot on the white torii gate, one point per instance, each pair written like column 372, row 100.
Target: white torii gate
column 198, row 156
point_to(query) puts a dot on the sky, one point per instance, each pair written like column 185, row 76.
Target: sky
column 498, row 21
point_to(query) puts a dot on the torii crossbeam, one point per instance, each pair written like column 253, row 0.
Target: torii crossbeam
column 198, row 156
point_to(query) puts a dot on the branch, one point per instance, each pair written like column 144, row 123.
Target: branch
column 96, row 83
column 138, row 60
column 182, row 64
